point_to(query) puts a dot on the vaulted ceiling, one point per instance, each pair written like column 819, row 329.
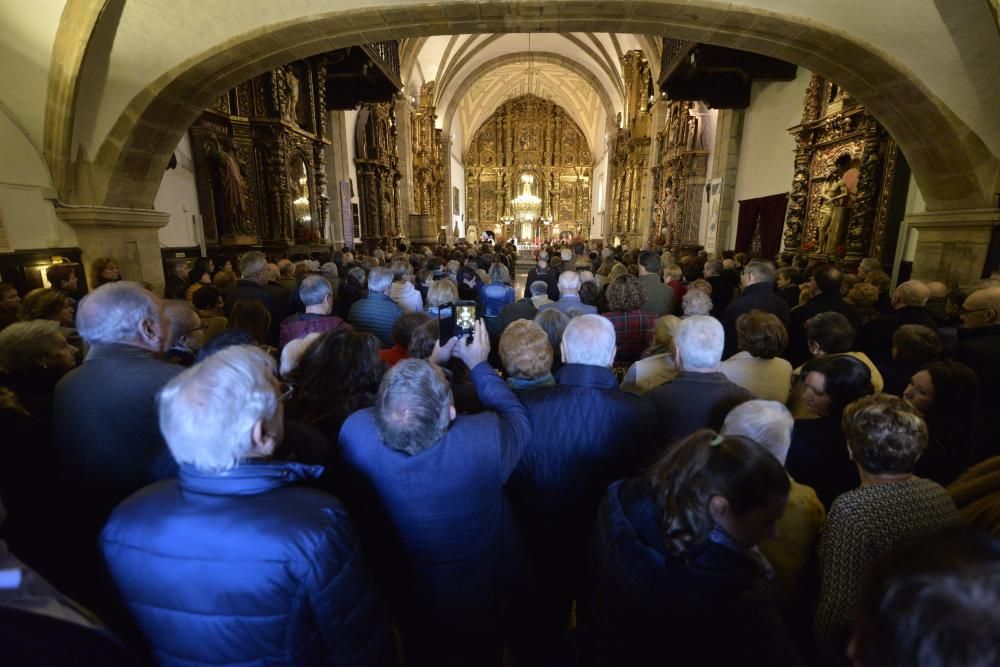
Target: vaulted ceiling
column 475, row 73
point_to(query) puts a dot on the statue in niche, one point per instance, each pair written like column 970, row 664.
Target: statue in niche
column 834, row 210
column 692, row 132
column 290, row 86
column 229, row 189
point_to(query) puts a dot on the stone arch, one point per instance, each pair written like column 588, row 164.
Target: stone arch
column 951, row 164
column 455, row 98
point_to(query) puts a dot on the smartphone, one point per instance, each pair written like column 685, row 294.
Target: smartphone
column 465, row 319
column 446, row 322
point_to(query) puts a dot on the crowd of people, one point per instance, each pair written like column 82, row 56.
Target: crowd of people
column 638, row 459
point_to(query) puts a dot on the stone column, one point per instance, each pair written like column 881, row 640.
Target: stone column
column 725, row 161
column 404, row 155
column 128, row 235
column 951, row 246
column 658, row 117
column 338, row 161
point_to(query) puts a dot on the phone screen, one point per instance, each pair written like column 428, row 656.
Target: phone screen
column 465, row 318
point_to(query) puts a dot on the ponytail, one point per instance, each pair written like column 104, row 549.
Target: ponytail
column 704, row 465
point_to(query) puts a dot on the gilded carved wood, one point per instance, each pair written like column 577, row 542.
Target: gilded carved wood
column 839, row 145
column 258, row 149
column 529, row 135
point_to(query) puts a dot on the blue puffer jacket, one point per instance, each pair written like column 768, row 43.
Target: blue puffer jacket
column 586, row 433
column 245, row 568
column 713, row 606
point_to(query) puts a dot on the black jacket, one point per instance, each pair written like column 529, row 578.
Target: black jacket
column 798, row 348
column 759, row 296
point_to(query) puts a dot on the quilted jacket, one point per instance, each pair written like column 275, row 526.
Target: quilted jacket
column 586, row 433
column 246, row 568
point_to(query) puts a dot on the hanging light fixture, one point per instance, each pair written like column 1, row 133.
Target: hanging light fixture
column 526, row 206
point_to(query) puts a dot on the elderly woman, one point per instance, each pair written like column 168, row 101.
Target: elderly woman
column 402, row 290
column 947, row 394
column 657, row 364
column 757, row 367
column 675, row 560
column 817, row 456
column 864, row 298
column 526, row 355
column 886, row 437
column 697, row 302
column 633, row 326
column 33, row 357
column 52, row 304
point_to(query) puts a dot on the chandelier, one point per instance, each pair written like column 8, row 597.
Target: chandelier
column 526, row 206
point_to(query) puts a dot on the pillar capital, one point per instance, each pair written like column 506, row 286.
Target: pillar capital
column 950, row 246
column 128, row 235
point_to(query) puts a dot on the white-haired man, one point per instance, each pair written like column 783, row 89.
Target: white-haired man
column 104, row 412
column 527, row 308
column 908, row 301
column 200, row 560
column 427, row 490
column 700, row 395
column 770, row 424
column 569, row 295
column 586, row 433
column 316, row 294
column 253, row 285
column 377, row 312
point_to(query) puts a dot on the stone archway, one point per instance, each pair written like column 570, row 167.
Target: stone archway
column 951, row 164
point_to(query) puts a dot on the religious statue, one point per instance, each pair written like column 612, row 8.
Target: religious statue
column 230, row 190
column 290, row 84
column 833, row 211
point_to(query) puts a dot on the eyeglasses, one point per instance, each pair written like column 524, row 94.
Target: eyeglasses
column 191, row 331
column 287, row 388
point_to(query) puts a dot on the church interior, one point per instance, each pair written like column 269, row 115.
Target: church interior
column 709, row 125
column 585, row 172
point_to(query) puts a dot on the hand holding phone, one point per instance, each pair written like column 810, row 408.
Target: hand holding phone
column 477, row 350
column 465, row 320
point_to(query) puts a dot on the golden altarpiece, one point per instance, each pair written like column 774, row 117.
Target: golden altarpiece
column 260, row 160
column 630, row 151
column 848, row 170
column 679, row 176
column 529, row 141
column 377, row 166
column 429, row 187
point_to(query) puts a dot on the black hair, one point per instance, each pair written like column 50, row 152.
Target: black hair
column 847, row 380
column 704, row 465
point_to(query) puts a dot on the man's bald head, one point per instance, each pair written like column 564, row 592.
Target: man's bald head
column 938, row 290
column 982, row 308
column 911, row 293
